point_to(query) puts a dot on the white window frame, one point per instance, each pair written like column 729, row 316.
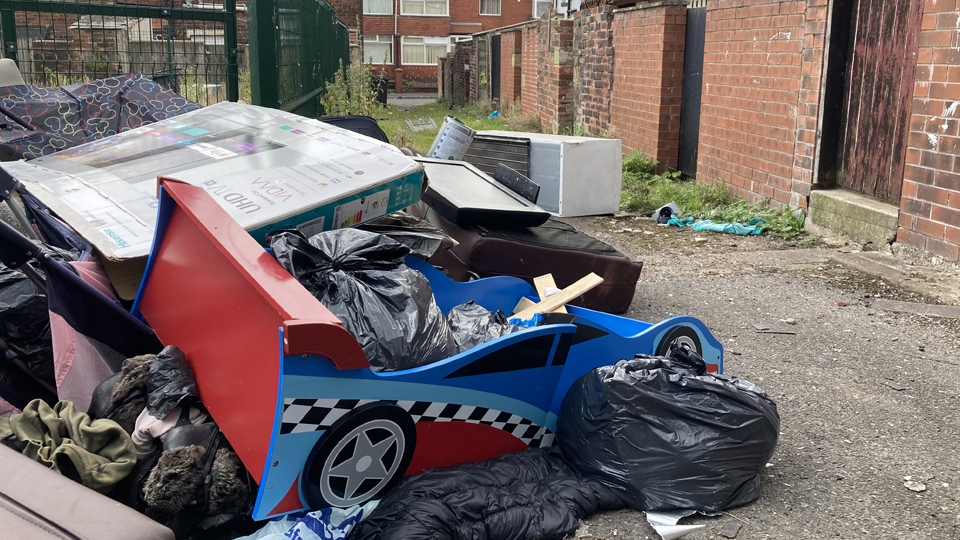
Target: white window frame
column 403, row 40
column 446, row 12
column 499, row 9
column 365, row 12
column 378, row 38
column 533, row 12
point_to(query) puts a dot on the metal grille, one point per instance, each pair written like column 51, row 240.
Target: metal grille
column 304, row 49
column 275, row 53
column 188, row 46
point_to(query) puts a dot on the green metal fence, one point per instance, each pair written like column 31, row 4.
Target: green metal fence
column 201, row 49
column 296, row 46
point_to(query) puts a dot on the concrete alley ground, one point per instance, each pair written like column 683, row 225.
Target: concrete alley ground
column 868, row 388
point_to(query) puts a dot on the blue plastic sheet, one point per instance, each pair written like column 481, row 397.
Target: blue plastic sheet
column 752, row 227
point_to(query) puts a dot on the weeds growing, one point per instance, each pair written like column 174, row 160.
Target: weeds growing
column 644, row 190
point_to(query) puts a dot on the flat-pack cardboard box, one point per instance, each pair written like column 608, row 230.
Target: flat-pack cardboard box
column 269, row 169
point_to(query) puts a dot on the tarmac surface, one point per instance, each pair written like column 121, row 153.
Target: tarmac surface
column 868, row 386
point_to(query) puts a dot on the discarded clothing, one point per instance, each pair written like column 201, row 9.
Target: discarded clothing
column 150, row 429
column 326, row 524
column 529, row 494
column 752, row 227
column 97, row 454
column 667, row 435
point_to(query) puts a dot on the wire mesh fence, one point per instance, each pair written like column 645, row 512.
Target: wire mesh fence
column 300, row 53
column 201, row 49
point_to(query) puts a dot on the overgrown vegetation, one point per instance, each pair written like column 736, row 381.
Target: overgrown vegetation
column 393, row 120
column 644, row 190
column 351, row 91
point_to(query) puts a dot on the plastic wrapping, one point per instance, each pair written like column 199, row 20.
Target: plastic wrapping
column 473, row 325
column 424, row 239
column 667, row 435
column 25, row 323
column 360, row 277
column 169, row 383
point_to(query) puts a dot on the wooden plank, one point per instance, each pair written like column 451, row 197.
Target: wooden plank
column 543, row 283
column 554, row 301
column 913, row 16
column 882, row 113
column 524, row 303
column 856, row 98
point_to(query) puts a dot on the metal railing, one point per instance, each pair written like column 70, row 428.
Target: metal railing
column 275, row 53
column 298, row 48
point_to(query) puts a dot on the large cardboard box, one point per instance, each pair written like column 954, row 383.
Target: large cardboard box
column 269, row 169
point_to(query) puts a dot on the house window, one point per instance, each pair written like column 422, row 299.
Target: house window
column 378, row 7
column 489, row 7
column 540, row 7
column 378, row 49
column 424, row 7
column 423, row 51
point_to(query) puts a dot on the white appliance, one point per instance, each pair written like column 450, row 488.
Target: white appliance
column 578, row 176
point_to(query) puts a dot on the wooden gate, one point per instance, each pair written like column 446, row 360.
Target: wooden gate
column 885, row 36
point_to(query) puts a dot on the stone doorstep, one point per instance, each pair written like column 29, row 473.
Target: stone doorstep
column 853, row 216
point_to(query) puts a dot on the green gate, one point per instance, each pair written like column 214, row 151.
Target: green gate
column 275, row 53
column 296, row 46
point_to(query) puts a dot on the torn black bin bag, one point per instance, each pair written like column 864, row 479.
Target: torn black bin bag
column 525, row 495
column 170, row 382
column 474, row 325
column 667, row 435
column 422, row 237
column 25, row 323
column 361, row 278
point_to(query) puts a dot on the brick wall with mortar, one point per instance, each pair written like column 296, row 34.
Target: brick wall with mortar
column 464, row 18
column 555, row 82
column 510, row 59
column 761, row 81
column 466, row 14
column 930, row 199
column 529, row 68
column 645, row 107
column 593, row 68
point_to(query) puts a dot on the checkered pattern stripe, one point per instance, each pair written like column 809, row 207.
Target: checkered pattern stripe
column 303, row 415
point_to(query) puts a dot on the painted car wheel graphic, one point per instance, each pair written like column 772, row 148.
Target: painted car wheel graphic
column 683, row 336
column 362, row 456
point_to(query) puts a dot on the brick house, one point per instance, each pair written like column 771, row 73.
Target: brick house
column 848, row 110
column 404, row 38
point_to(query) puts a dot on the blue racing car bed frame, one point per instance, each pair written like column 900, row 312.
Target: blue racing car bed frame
column 296, row 398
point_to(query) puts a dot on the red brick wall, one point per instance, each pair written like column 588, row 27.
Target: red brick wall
column 930, row 200
column 510, row 43
column 349, row 12
column 593, row 68
column 759, row 105
column 645, row 109
column 555, row 82
column 528, row 76
column 468, row 13
column 422, row 26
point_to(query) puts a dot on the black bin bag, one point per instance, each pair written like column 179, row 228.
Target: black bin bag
column 361, row 278
column 667, row 435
